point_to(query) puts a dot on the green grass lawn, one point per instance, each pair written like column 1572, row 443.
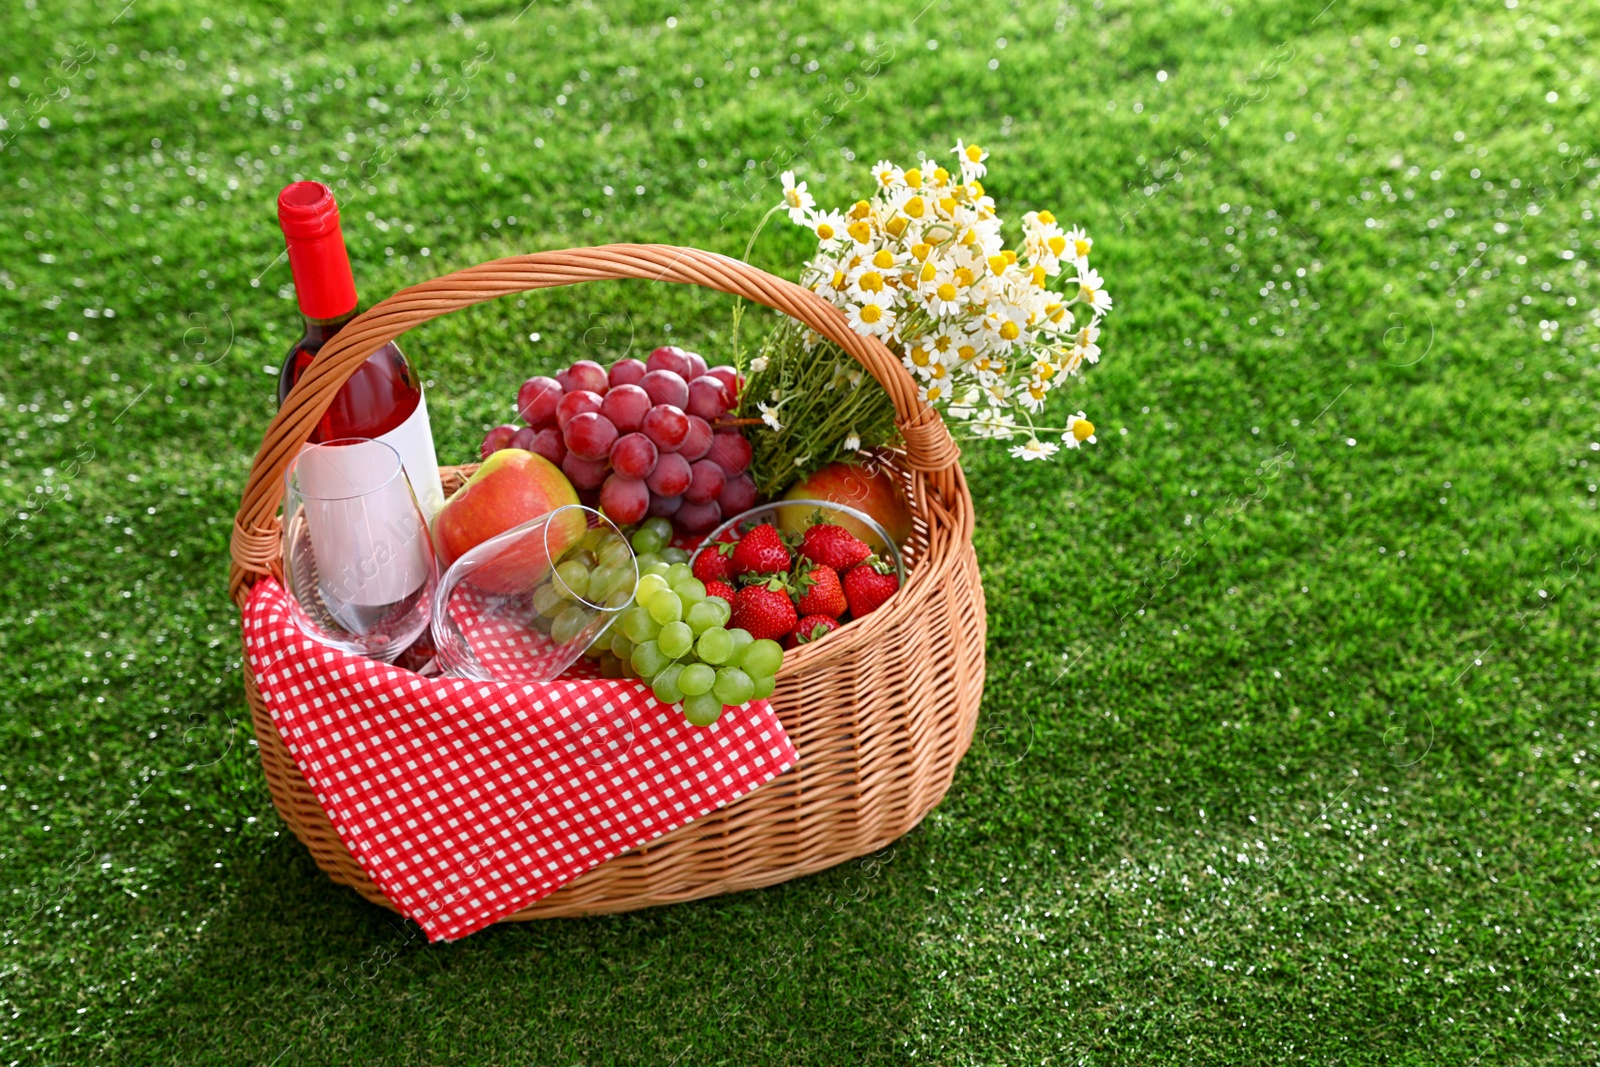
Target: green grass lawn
column 1287, row 750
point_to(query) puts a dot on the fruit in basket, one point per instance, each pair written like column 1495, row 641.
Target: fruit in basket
column 697, row 518
column 867, row 585
column 765, row 610
column 819, row 593
column 634, row 456
column 496, row 439
column 654, row 422
column 833, row 546
column 813, row 628
column 537, row 400
column 626, row 500
column 761, row 551
column 589, row 435
column 873, row 490
column 510, row 488
column 714, row 566
column 720, row 589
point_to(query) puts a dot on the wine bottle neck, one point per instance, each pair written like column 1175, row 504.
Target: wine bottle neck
column 320, row 331
column 323, row 284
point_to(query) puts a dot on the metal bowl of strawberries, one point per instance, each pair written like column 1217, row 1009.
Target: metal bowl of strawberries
column 796, row 570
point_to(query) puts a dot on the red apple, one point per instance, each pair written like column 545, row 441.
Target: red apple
column 510, row 488
column 872, row 489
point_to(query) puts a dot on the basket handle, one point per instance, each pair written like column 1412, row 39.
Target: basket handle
column 931, row 453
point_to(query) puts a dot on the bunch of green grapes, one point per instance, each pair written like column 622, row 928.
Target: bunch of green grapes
column 677, row 639
column 596, row 570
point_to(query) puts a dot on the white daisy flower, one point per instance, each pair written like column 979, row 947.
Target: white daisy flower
column 828, row 226
column 1080, row 431
column 1091, row 290
column 888, row 175
column 759, row 364
column 769, row 415
column 852, row 443
column 1035, row 449
column 1078, row 245
column 992, row 422
column 795, row 198
column 971, row 157
column 933, row 393
column 874, row 318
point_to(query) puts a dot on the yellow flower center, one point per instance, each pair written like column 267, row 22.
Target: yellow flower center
column 1082, row 247
column 913, row 178
column 962, row 277
column 883, row 259
column 871, row 313
column 919, row 251
column 1010, row 330
column 885, row 177
column 947, row 205
column 871, row 282
column 940, row 175
column 861, row 231
column 938, row 370
column 1087, row 293
column 934, row 393
column 919, row 356
column 860, row 209
column 1036, row 391
column 928, row 272
column 1039, row 276
column 942, row 342
column 1083, row 429
column 915, row 207
column 824, row 232
column 837, row 282
column 1055, row 311
column 1045, row 371
column 969, row 237
column 1046, row 217
column 966, row 352
column 975, row 190
column 998, row 264
column 897, row 225
column 974, row 153
column 1058, row 244
column 947, row 292
column 793, row 196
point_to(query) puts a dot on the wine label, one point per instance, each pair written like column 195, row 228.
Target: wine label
column 413, row 439
column 368, row 538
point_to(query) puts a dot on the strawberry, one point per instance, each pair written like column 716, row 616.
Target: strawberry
column 868, row 585
column 721, row 589
column 760, row 551
column 814, row 628
column 712, row 565
column 833, row 546
column 820, row 593
column 764, row 609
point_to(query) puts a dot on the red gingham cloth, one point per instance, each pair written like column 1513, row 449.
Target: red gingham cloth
column 465, row 801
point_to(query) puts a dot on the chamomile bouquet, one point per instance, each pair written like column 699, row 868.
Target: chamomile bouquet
column 989, row 331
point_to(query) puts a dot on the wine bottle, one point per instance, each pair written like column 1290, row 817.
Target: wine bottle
column 383, row 399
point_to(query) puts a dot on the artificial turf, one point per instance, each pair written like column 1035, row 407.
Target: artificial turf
column 1286, row 752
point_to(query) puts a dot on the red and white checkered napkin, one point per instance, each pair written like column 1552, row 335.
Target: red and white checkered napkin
column 465, row 801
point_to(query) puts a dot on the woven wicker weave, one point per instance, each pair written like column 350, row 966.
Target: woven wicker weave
column 880, row 712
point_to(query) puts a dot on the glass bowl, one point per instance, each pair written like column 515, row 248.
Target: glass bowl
column 793, row 516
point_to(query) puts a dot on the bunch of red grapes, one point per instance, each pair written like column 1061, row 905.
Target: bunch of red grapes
column 644, row 435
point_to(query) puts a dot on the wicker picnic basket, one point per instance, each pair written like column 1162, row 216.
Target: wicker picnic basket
column 880, row 712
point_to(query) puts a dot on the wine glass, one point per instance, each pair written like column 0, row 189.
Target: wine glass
column 357, row 557
column 522, row 606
